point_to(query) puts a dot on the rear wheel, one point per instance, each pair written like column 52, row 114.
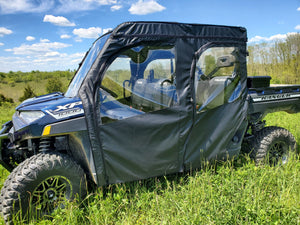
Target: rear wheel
column 272, row 145
column 41, row 184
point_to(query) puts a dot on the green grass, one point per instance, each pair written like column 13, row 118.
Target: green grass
column 6, row 112
column 230, row 193
column 39, row 88
column 235, row 192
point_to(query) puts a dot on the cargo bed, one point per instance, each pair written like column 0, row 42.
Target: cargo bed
column 265, row 98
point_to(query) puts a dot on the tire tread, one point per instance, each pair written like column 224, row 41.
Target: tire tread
column 264, row 139
column 27, row 172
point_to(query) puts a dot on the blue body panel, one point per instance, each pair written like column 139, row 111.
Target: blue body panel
column 58, row 108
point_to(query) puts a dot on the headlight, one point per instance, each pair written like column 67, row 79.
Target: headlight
column 30, row 116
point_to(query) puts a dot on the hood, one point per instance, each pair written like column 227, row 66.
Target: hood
column 55, row 104
column 37, row 103
column 54, row 107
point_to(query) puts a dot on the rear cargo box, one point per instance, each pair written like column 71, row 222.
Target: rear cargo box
column 258, row 81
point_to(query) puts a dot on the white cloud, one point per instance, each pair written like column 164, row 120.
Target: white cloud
column 37, row 49
column 40, row 56
column 44, row 40
column 4, row 31
column 116, row 7
column 257, row 39
column 30, row 38
column 297, row 27
column 298, row 9
column 78, row 39
column 15, row 6
column 106, row 30
column 67, row 6
column 92, row 32
column 65, row 36
column 81, row 5
column 1, row 44
column 46, row 62
column 51, row 54
column 102, row 2
column 79, row 55
column 58, row 21
column 145, row 7
column 276, row 37
column 58, row 6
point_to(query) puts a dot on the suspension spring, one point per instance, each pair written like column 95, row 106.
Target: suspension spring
column 258, row 126
column 45, row 144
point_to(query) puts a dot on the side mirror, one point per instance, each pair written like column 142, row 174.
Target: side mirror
column 225, row 61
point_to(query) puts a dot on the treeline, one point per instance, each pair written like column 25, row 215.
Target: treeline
column 23, row 85
column 279, row 59
column 12, row 78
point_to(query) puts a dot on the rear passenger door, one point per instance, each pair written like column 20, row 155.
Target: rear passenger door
column 220, row 105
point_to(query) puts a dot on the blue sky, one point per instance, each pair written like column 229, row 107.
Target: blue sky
column 50, row 35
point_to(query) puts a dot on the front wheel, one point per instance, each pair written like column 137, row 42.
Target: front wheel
column 41, row 184
column 272, row 145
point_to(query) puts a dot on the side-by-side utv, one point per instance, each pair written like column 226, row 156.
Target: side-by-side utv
column 149, row 99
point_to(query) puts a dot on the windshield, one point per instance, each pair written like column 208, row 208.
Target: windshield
column 85, row 67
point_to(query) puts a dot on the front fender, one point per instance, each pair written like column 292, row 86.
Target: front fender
column 4, row 136
column 6, row 127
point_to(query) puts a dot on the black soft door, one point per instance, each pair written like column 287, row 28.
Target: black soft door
column 138, row 107
column 220, row 104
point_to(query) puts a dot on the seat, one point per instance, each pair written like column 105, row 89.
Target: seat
column 211, row 93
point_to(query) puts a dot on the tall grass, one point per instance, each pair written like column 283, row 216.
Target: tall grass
column 6, row 112
column 230, row 193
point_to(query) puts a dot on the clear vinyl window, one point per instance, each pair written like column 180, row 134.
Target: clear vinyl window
column 216, row 80
column 139, row 80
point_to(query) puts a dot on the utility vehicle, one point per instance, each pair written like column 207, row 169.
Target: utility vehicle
column 149, row 99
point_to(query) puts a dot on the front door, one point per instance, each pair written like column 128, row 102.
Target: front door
column 138, row 100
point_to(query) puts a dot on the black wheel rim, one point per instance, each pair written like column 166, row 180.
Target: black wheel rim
column 50, row 194
column 278, row 153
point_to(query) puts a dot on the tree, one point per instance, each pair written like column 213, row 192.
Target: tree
column 279, row 59
column 54, row 85
column 28, row 93
column 5, row 99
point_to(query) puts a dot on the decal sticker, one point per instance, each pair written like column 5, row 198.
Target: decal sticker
column 63, row 111
column 275, row 97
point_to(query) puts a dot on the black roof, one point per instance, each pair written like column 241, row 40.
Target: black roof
column 180, row 30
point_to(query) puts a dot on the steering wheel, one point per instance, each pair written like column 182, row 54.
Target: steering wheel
column 165, row 81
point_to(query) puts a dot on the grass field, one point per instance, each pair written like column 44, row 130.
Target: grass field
column 228, row 194
column 39, row 88
column 235, row 192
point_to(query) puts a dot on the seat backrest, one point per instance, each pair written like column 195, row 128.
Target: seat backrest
column 138, row 93
column 154, row 95
column 210, row 93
